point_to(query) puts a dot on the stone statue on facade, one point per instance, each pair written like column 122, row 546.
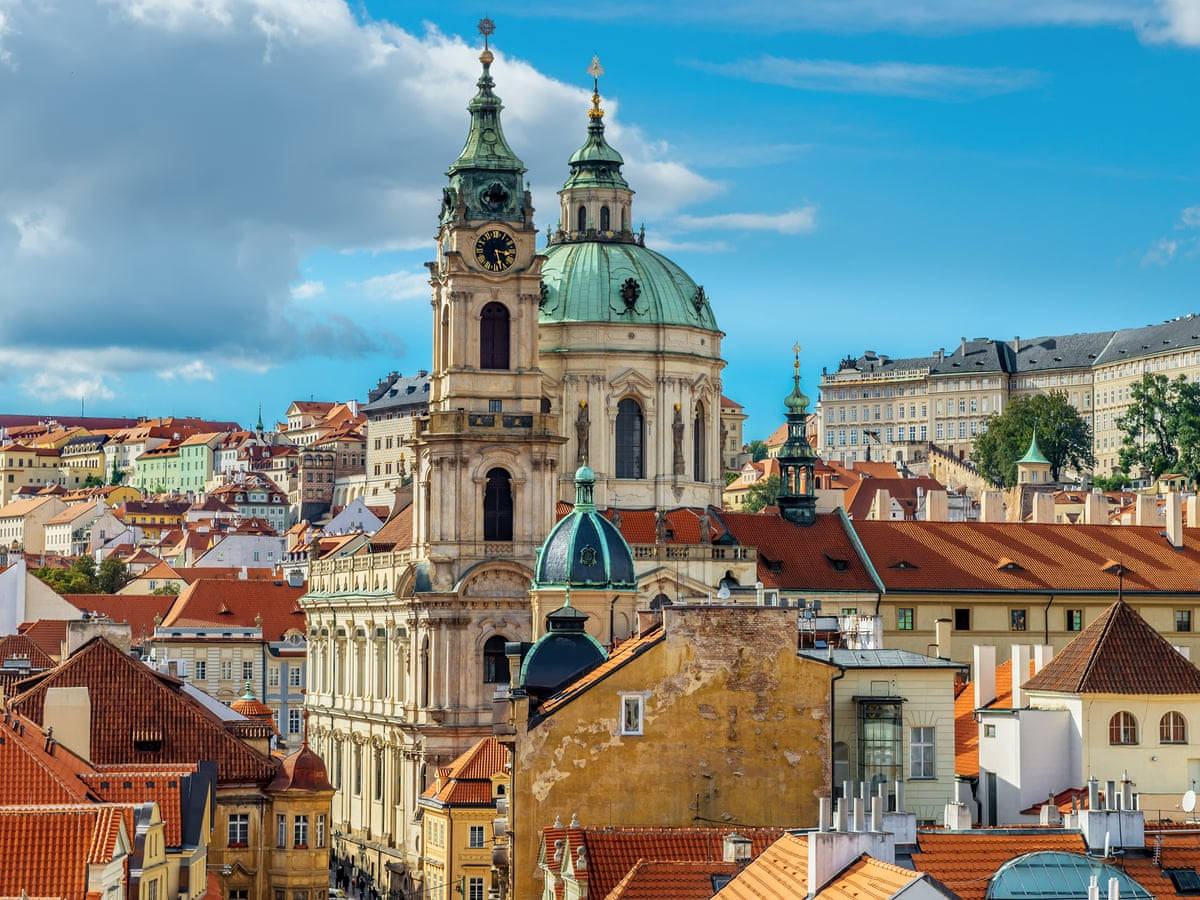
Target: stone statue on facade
column 616, row 519
column 660, row 526
column 705, row 527
column 583, row 426
column 677, row 428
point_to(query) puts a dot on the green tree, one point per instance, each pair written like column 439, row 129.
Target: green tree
column 758, row 451
column 93, row 481
column 1063, row 436
column 117, row 475
column 113, row 575
column 166, row 590
column 763, row 492
column 1161, row 427
column 80, row 578
column 1117, row 481
column 731, row 477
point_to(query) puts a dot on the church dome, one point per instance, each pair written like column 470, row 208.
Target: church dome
column 622, row 283
column 584, row 550
column 565, row 652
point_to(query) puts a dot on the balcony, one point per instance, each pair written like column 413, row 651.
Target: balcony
column 461, row 421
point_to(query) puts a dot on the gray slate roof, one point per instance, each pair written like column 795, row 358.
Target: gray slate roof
column 1068, row 351
column 881, row 659
column 403, row 392
column 1132, row 343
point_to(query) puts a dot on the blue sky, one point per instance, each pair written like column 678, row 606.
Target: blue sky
column 208, row 205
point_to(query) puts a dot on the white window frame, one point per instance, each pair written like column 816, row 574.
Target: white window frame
column 635, row 703
column 475, row 837
column 294, row 679
column 201, row 670
column 294, row 719
column 922, row 752
column 273, row 676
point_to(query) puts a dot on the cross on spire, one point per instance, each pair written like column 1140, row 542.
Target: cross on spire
column 487, row 28
column 595, row 70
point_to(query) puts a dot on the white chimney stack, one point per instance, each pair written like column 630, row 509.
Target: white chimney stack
column 984, row 675
column 1193, row 511
column 881, row 509
column 1043, row 508
column 936, row 507
column 1042, row 654
column 991, row 506
column 1146, row 510
column 1095, row 509
column 1174, row 514
column 958, row 817
column 1020, row 673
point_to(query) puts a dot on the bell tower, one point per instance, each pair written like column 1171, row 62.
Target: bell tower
column 797, row 459
column 488, row 452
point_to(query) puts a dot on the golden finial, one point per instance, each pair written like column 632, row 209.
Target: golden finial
column 487, row 28
column 595, row 70
column 796, row 351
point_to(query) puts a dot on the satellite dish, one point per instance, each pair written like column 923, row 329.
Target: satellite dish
column 723, row 593
column 1189, row 801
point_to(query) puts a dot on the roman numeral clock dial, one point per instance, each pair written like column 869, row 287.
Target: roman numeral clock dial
column 495, row 250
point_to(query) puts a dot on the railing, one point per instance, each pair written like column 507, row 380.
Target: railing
column 460, row 421
column 694, row 552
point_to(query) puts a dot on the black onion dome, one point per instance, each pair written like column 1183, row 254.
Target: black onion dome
column 562, row 654
column 584, row 550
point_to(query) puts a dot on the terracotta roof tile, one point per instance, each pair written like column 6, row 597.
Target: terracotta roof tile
column 903, row 490
column 47, row 851
column 819, row 557
column 22, row 646
column 138, row 610
column 33, row 771
column 162, row 785
column 950, row 556
column 966, row 862
column 23, row 507
column 129, row 700
column 48, row 634
column 670, row 880
column 396, row 533
column 1119, row 653
column 468, row 780
column 868, row 878
column 780, row 870
column 238, row 603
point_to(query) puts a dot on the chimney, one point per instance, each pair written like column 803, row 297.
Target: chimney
column 1042, row 654
column 1020, row 674
column 941, row 354
column 936, row 507
column 881, row 509
column 67, row 711
column 736, row 849
column 1146, row 511
column 963, row 348
column 958, row 817
column 991, row 506
column 1016, row 344
column 1095, row 509
column 1049, row 813
column 1043, row 508
column 984, row 675
column 942, row 635
column 1174, row 515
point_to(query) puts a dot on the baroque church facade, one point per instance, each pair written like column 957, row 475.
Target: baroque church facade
column 591, row 350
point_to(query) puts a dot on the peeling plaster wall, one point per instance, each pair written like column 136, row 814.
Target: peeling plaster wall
column 736, row 731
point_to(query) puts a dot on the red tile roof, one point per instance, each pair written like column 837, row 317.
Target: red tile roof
column 48, row 634
column 396, row 533
column 1119, row 653
column 683, row 524
column 138, row 610
column 35, row 771
column 819, row 557
column 661, row 880
column 129, row 701
column 468, row 780
column 160, row 784
column 861, row 496
column 47, row 851
column 965, row 862
column 954, row 556
column 238, row 604
column 22, row 646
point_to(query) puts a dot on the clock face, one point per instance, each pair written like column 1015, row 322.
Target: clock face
column 495, row 250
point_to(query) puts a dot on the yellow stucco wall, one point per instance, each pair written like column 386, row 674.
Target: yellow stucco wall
column 449, row 859
column 736, row 731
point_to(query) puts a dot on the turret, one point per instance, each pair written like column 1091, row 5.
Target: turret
column 797, row 459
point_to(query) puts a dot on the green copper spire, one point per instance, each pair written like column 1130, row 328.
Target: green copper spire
column 797, row 459
column 259, row 427
column 1034, row 453
column 485, row 180
column 797, row 400
column 595, row 164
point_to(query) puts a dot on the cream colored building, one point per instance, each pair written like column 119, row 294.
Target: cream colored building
column 23, row 522
column 393, row 408
column 593, row 348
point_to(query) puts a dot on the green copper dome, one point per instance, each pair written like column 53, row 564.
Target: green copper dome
column 595, row 164
column 584, row 549
column 621, row 283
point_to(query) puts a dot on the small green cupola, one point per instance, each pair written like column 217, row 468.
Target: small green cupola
column 486, row 180
column 596, row 200
column 797, row 459
column 1033, row 467
column 584, row 550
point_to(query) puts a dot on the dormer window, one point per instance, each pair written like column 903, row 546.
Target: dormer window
column 902, row 564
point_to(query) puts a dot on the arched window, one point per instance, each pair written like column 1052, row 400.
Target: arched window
column 629, row 439
column 605, row 219
column 495, row 663
column 698, row 443
column 498, row 507
column 581, row 219
column 1122, row 729
column 1172, row 729
column 493, row 337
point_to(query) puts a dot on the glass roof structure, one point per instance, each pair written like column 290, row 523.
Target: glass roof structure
column 1054, row 874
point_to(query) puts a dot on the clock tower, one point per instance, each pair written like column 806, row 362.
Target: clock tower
column 488, row 454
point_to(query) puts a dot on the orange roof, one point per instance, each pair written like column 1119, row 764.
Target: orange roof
column 621, row 655
column 468, row 780
column 965, row 862
column 396, row 533
column 22, row 646
column 71, row 513
column 47, row 851
column 238, row 603
column 954, row 556
column 48, row 634
column 130, row 701
column 24, row 507
column 868, row 878
column 670, row 880
column 778, row 436
column 1119, row 653
column 861, row 496
column 143, row 785
column 138, row 610
column 683, row 524
column 34, row 772
column 821, row 556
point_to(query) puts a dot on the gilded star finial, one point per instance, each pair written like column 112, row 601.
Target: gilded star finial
column 595, row 70
column 487, row 28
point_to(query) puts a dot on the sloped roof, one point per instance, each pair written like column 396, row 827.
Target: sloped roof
column 24, row 507
column 670, row 880
column 161, row 784
column 962, row 556
column 819, row 557
column 965, row 863
column 620, row 656
column 903, row 490
column 138, row 610
column 223, row 602
column 47, row 851
column 468, row 780
column 130, row 700
column 24, row 647
column 1119, row 653
column 396, row 533
column 48, row 634
column 34, row 773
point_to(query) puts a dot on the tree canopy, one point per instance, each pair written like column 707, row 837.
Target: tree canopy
column 763, row 492
column 1063, row 436
column 1161, row 427
column 83, row 577
column 758, row 451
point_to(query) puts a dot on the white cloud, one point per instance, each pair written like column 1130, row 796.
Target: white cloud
column 1181, row 243
column 795, row 221
column 395, row 286
column 306, row 290
column 905, row 79
column 196, row 370
column 667, row 245
column 1191, row 217
column 226, row 164
column 1161, row 253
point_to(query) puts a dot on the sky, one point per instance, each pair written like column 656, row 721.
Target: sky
column 210, row 204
